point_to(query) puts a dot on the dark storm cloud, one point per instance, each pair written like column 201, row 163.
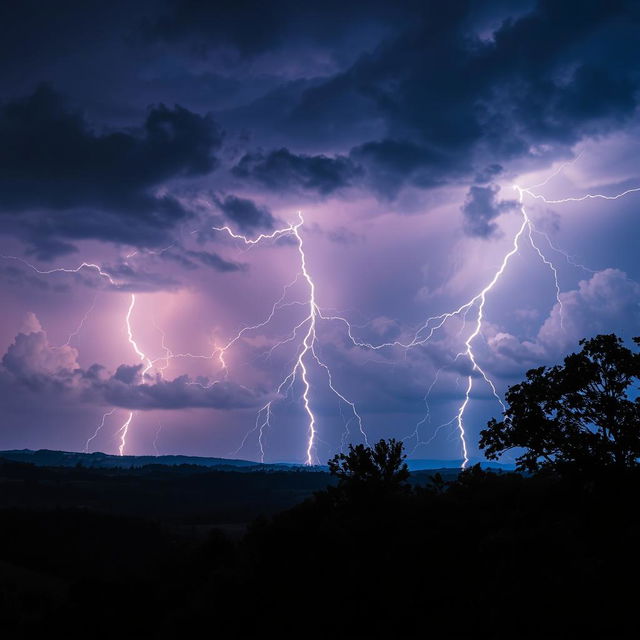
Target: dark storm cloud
column 122, row 276
column 480, row 209
column 445, row 88
column 252, row 27
column 245, row 213
column 17, row 277
column 391, row 163
column 214, row 261
column 440, row 92
column 190, row 259
column 282, row 170
column 179, row 393
column 488, row 173
column 128, row 374
column 450, row 100
column 86, row 184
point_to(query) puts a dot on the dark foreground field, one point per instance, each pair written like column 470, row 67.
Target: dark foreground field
column 181, row 551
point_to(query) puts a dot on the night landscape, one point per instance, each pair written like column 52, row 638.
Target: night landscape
column 319, row 319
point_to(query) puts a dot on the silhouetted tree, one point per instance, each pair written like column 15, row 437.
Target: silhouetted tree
column 437, row 483
column 366, row 470
column 577, row 415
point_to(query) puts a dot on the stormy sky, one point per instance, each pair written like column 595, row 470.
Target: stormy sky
column 131, row 133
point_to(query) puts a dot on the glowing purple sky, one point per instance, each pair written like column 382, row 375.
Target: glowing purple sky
column 398, row 131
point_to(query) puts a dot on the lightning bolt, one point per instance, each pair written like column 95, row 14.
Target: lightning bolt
column 123, row 431
column 569, row 258
column 132, row 341
column 84, row 265
column 277, row 305
column 426, row 419
column 80, row 326
column 307, row 351
column 588, row 196
column 155, row 440
column 97, row 431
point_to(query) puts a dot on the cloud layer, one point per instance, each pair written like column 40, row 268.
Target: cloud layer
column 31, row 363
column 62, row 180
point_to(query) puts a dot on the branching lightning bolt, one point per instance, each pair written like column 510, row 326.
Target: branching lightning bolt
column 527, row 226
column 307, row 352
column 432, row 324
column 478, row 301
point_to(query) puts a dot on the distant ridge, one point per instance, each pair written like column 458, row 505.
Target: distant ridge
column 99, row 460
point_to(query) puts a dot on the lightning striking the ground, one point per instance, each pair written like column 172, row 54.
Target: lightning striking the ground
column 307, row 351
column 476, row 302
column 432, row 324
column 480, row 299
column 123, row 431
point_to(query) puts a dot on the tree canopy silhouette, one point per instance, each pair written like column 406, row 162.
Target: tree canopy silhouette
column 577, row 415
column 366, row 470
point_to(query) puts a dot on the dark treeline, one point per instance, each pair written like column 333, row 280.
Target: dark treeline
column 500, row 555
column 184, row 494
column 549, row 551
